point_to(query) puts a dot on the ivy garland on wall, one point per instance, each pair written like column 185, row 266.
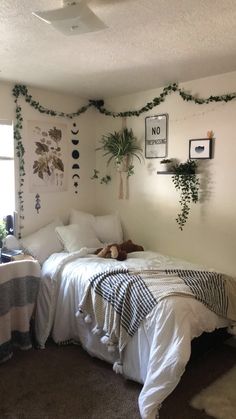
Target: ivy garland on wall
column 21, row 90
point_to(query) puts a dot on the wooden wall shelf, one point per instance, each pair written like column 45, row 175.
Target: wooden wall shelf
column 164, row 173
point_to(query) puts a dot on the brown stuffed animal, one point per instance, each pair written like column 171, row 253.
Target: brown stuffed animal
column 118, row 251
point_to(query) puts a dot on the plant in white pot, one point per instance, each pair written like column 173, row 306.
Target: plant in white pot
column 121, row 146
column 167, row 165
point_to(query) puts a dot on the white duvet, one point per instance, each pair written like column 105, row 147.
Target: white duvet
column 157, row 354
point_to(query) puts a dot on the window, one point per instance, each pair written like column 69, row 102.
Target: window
column 7, row 172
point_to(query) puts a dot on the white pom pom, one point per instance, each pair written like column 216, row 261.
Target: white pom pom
column 78, row 313
column 97, row 331
column 118, row 367
column 105, row 339
column 88, row 319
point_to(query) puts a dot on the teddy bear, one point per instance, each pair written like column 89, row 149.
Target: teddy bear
column 118, row 251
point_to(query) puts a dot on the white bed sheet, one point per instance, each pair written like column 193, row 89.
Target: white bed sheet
column 157, row 354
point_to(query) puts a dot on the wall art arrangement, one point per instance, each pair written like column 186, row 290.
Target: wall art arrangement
column 19, row 91
column 75, row 156
column 156, row 136
column 49, row 148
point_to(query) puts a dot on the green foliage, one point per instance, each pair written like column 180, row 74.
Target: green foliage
column 103, row 180
column 186, row 181
column 120, row 144
column 95, row 174
column 3, row 232
column 166, row 161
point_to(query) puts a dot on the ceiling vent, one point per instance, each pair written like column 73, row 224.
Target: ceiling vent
column 73, row 18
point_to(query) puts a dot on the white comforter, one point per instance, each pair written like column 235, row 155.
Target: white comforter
column 158, row 353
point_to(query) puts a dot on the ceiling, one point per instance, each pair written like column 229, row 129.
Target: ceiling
column 148, row 43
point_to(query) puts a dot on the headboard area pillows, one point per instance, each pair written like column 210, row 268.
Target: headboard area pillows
column 75, row 236
column 107, row 227
column 42, row 243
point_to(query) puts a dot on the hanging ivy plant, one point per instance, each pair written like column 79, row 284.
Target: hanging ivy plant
column 187, row 183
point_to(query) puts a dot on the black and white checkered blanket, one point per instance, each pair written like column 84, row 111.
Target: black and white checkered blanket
column 119, row 300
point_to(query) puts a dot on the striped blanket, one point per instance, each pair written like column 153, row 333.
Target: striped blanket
column 19, row 282
column 119, row 300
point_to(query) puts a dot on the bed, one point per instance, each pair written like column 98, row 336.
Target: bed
column 155, row 354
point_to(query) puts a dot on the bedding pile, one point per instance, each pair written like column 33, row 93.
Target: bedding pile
column 160, row 347
column 19, row 282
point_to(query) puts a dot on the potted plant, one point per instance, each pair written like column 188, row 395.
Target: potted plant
column 187, row 182
column 3, row 232
column 121, row 146
column 167, row 165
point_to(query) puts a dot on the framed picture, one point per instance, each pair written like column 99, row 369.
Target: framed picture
column 48, row 161
column 156, row 136
column 200, row 148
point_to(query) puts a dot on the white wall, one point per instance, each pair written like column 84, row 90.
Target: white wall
column 59, row 203
column 148, row 215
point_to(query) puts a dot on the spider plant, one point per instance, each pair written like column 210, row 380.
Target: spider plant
column 120, row 145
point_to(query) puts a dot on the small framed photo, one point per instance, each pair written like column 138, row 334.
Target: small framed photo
column 200, row 148
column 156, row 136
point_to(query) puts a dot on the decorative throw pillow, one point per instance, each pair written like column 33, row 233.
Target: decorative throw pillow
column 73, row 237
column 42, row 243
column 107, row 227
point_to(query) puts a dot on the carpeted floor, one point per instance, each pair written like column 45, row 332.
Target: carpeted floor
column 219, row 399
column 65, row 382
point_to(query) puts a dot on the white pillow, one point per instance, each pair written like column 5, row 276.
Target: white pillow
column 43, row 242
column 74, row 237
column 107, row 227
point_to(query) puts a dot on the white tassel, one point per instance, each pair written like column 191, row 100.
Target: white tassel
column 97, row 331
column 79, row 313
column 118, row 367
column 88, row 319
column 105, row 339
column 158, row 412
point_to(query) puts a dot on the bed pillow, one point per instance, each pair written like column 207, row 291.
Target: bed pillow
column 75, row 236
column 42, row 243
column 107, row 227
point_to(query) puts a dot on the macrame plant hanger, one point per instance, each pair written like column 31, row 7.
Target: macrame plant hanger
column 123, row 171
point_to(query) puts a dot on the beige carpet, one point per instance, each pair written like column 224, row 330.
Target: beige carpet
column 219, row 399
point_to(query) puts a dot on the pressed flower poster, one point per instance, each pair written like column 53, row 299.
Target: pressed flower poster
column 47, row 156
